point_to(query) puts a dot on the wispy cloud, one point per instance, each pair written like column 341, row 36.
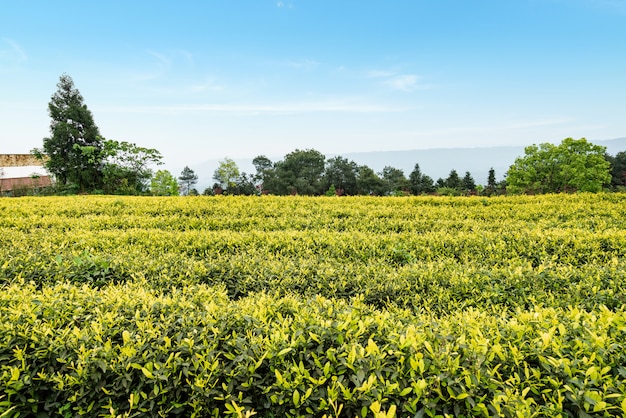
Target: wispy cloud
column 404, row 82
column 188, row 56
column 155, row 66
column 11, row 52
column 330, row 106
column 395, row 80
column 163, row 62
column 283, row 5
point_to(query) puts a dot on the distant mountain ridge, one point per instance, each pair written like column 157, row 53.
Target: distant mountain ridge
column 434, row 162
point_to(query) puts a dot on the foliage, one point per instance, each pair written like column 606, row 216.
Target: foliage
column 164, row 184
column 127, row 167
column 491, row 187
column 264, row 171
column 302, row 306
column 453, row 181
column 74, row 148
column 369, row 183
column 127, row 349
column 468, row 183
column 227, row 174
column 300, row 172
column 187, row 179
column 618, row 170
column 245, row 185
column 573, row 165
column 342, row 175
column 420, row 183
column 448, row 191
column 394, row 180
column 433, row 253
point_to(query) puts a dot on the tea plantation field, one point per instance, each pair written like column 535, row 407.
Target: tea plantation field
column 313, row 306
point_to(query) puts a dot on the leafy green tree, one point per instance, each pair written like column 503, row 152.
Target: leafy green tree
column 618, row 170
column 448, row 191
column 265, row 173
column 227, row 175
column 74, row 148
column 332, row 191
column 573, row 165
column 187, row 180
column 164, row 184
column 300, row 172
column 394, row 180
column 369, row 183
column 126, row 168
column 342, row 174
column 244, row 185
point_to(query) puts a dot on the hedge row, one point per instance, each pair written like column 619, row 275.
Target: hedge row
column 124, row 350
column 426, row 254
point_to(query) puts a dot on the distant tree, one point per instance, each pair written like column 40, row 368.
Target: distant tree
column 491, row 183
column 469, row 185
column 369, row 183
column 573, row 165
column 394, row 180
column 244, row 185
column 187, row 180
column 300, row 172
column 265, row 172
column 454, row 181
column 164, row 184
column 126, row 167
column 415, row 180
column 420, row 183
column 618, row 169
column 227, row 175
column 74, row 148
column 428, row 185
column 342, row 174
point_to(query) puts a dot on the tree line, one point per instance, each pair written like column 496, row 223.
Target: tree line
column 82, row 161
column 308, row 172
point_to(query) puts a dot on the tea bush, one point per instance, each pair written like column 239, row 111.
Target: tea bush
column 293, row 306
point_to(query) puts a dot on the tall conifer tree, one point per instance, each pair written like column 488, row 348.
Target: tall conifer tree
column 74, row 148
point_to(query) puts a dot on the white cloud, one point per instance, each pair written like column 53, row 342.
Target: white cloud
column 404, row 82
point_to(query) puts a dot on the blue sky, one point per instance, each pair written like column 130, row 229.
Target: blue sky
column 202, row 80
